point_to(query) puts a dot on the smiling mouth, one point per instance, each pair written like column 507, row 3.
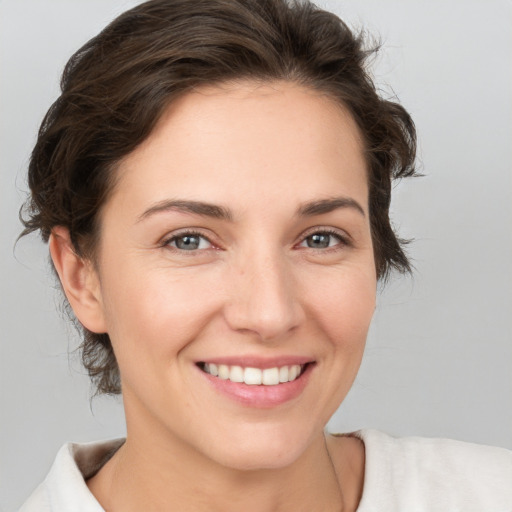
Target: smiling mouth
column 255, row 376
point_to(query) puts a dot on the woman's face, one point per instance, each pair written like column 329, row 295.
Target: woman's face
column 237, row 241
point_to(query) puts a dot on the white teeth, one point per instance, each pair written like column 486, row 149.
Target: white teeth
column 236, row 374
column 294, row 372
column 254, row 376
column 270, row 376
column 223, row 371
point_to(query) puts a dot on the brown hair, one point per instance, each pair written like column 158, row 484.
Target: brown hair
column 115, row 88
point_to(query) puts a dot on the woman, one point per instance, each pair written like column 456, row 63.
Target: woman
column 214, row 184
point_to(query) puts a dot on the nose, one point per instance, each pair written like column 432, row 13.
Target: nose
column 263, row 298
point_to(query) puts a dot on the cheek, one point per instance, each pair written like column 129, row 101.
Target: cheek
column 154, row 314
column 343, row 303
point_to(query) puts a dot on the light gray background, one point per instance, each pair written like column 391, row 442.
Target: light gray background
column 439, row 354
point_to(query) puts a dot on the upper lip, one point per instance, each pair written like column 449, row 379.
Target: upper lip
column 258, row 361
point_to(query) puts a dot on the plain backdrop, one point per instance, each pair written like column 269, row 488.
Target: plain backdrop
column 439, row 354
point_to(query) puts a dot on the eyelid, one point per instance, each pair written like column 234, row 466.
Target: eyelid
column 343, row 236
column 325, row 229
column 167, row 239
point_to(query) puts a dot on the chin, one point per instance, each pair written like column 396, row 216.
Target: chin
column 263, row 448
column 253, row 460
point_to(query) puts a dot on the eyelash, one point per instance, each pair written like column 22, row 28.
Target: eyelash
column 343, row 240
column 189, row 233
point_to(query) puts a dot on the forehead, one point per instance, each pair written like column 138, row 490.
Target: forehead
column 229, row 139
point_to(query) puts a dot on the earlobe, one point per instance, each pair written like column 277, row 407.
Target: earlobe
column 79, row 281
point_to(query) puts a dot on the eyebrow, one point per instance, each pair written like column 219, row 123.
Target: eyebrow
column 203, row 209
column 328, row 205
column 194, row 207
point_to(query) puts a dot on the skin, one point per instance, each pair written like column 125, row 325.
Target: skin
column 253, row 287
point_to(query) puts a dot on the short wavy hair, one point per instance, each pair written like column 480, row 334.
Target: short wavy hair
column 115, row 88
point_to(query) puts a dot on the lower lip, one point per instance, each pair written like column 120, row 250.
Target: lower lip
column 261, row 396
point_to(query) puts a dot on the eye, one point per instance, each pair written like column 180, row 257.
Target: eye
column 323, row 240
column 189, row 242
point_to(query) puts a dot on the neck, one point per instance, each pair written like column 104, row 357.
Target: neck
column 150, row 474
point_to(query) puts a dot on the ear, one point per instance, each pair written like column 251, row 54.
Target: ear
column 79, row 280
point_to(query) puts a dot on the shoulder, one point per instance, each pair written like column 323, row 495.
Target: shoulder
column 64, row 487
column 434, row 474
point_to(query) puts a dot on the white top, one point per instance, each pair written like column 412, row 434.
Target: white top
column 411, row 474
